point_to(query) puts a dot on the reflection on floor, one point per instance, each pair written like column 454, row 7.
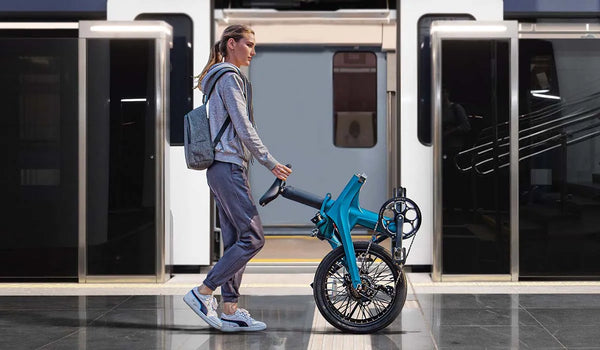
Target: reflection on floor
column 428, row 321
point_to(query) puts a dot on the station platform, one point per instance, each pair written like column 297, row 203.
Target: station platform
column 449, row 315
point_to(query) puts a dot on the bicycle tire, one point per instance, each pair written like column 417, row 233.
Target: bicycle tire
column 326, row 298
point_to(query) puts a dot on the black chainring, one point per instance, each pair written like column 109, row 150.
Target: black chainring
column 400, row 206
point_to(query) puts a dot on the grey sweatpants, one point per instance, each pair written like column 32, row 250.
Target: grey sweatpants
column 241, row 229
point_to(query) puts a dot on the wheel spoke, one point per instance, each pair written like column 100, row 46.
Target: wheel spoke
column 372, row 260
column 381, row 302
column 362, row 311
column 347, row 306
column 375, row 271
column 376, row 310
column 378, row 307
column 352, row 313
column 388, row 277
column 379, row 273
column 336, row 274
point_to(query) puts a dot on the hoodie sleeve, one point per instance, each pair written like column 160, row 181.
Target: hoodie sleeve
column 231, row 89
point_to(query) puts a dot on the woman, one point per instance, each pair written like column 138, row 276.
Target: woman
column 241, row 228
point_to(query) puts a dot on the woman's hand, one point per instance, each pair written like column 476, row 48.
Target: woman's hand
column 281, row 171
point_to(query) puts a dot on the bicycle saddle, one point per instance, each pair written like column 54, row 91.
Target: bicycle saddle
column 273, row 191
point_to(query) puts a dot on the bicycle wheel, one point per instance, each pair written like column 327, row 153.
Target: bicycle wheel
column 371, row 307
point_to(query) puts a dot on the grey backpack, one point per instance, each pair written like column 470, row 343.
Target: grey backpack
column 199, row 147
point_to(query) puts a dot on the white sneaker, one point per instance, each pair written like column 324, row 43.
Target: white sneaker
column 240, row 321
column 204, row 306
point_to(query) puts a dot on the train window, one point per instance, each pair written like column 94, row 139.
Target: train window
column 182, row 63
column 355, row 99
column 424, row 73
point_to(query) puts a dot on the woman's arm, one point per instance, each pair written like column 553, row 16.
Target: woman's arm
column 231, row 89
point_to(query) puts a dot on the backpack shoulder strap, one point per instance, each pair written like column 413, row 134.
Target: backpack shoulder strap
column 218, row 138
column 207, row 97
column 220, row 73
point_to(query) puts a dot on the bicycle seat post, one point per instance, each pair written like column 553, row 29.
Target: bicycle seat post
column 397, row 252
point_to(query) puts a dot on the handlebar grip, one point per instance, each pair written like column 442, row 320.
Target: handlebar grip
column 300, row 196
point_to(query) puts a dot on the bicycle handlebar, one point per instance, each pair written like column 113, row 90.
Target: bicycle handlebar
column 291, row 193
column 303, row 197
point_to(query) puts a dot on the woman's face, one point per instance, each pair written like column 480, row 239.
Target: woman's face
column 240, row 52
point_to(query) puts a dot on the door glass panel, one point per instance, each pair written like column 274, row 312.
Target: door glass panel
column 475, row 157
column 559, row 171
column 38, row 148
column 121, row 227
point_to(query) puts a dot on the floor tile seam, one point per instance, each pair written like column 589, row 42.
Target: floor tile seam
column 76, row 331
column 108, row 311
column 469, row 308
column 429, row 326
column 59, row 339
column 544, row 327
column 521, row 342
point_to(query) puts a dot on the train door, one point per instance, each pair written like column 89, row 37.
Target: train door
column 324, row 111
column 475, row 104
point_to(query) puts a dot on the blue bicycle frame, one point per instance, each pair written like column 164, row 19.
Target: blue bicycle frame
column 342, row 215
column 336, row 218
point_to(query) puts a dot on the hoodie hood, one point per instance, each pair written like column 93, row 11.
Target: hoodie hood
column 209, row 79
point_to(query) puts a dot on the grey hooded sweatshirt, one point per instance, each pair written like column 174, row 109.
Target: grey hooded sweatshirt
column 233, row 95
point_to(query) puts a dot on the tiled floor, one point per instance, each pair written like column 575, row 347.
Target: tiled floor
column 429, row 320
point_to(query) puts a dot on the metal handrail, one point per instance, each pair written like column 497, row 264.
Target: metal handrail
column 485, row 153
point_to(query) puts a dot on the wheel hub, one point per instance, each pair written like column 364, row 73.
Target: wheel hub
column 365, row 292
